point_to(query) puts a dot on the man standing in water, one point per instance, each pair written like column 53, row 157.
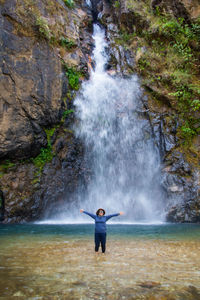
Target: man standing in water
column 100, row 227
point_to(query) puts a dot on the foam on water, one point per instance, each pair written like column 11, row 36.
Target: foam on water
column 80, row 221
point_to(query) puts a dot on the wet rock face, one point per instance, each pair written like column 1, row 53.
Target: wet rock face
column 96, row 8
column 181, row 183
column 30, row 88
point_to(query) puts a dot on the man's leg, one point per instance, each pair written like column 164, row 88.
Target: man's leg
column 103, row 242
column 97, row 242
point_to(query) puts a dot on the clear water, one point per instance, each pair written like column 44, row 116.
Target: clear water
column 141, row 262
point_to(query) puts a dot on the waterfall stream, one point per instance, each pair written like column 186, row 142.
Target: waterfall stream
column 119, row 147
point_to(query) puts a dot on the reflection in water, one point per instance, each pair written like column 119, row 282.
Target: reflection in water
column 58, row 266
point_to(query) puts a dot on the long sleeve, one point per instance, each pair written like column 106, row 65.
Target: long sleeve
column 110, row 216
column 89, row 214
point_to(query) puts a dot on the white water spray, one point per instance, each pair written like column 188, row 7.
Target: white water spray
column 119, row 147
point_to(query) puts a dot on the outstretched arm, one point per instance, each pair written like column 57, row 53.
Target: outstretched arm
column 87, row 213
column 114, row 215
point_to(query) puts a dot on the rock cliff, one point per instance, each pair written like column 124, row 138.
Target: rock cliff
column 35, row 38
column 45, row 50
column 159, row 41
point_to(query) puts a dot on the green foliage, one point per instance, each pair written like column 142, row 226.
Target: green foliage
column 186, row 104
column 73, row 78
column 177, row 41
column 181, row 93
column 64, row 42
column 67, row 112
column 125, row 38
column 195, row 88
column 143, row 63
column 184, row 96
column 195, row 104
column 117, row 4
column 157, row 11
column 43, row 27
column 170, row 27
column 46, row 154
column 49, row 133
column 184, row 51
column 36, row 179
column 195, row 31
column 180, row 35
column 69, row 3
column 187, row 133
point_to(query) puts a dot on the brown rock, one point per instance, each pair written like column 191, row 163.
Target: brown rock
column 149, row 284
column 32, row 77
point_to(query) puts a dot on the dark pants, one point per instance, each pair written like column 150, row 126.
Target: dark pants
column 100, row 238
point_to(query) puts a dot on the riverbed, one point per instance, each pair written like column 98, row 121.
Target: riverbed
column 141, row 262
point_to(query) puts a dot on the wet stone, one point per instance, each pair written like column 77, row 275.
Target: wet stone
column 149, row 284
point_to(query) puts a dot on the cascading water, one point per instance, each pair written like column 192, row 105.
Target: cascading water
column 119, row 147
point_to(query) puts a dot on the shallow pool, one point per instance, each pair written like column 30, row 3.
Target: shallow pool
column 141, row 262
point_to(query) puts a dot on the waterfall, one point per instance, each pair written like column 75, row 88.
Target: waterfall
column 119, row 147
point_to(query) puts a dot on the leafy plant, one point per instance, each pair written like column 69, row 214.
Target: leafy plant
column 64, row 42
column 43, row 27
column 69, row 3
column 143, row 63
column 169, row 61
column 73, row 77
column 195, row 105
column 184, row 51
column 117, row 4
column 46, row 154
column 186, row 104
column 67, row 112
column 171, row 27
column 187, row 132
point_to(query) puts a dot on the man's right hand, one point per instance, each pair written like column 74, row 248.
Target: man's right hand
column 81, row 210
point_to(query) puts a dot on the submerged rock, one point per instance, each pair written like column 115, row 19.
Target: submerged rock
column 149, row 284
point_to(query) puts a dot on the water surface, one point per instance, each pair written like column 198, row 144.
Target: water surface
column 141, row 262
